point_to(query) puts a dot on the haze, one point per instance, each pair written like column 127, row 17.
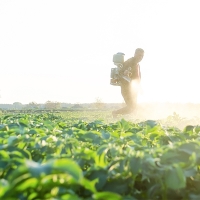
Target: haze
column 62, row 50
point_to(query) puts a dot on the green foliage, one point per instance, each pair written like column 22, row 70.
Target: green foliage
column 52, row 156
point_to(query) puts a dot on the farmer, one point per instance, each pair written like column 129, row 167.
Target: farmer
column 129, row 90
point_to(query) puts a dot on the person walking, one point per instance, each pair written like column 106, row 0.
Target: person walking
column 129, row 90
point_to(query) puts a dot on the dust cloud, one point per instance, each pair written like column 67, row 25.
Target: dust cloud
column 171, row 114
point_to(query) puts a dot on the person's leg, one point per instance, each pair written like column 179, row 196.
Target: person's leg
column 122, row 111
column 130, row 97
column 129, row 108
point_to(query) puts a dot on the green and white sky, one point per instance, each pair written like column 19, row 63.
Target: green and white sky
column 62, row 50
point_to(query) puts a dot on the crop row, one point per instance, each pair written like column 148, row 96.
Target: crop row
column 47, row 156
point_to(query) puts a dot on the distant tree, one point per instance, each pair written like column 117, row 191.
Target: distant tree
column 76, row 106
column 99, row 104
column 33, row 105
column 17, row 105
column 52, row 105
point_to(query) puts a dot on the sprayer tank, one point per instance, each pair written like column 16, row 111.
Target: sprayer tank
column 118, row 58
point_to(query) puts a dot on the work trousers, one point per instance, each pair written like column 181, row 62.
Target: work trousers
column 129, row 92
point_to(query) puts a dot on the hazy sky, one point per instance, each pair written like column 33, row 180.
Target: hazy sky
column 62, row 50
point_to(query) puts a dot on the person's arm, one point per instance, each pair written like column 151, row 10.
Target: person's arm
column 135, row 70
column 126, row 64
column 125, row 69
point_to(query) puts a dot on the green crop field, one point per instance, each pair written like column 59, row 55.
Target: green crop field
column 88, row 155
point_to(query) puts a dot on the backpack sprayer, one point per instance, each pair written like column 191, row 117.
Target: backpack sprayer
column 116, row 74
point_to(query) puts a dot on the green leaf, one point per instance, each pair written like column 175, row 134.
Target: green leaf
column 106, row 195
column 102, row 149
column 135, row 165
column 88, row 184
column 26, row 184
column 12, row 140
column 105, row 135
column 3, row 186
column 4, row 127
column 37, row 169
column 171, row 156
column 149, row 123
column 125, row 125
column 126, row 134
column 68, row 166
column 4, row 154
column 188, row 129
column 99, row 174
column 69, row 197
column 189, row 147
column 119, row 185
column 24, row 122
column 33, row 131
column 194, row 196
column 175, row 178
